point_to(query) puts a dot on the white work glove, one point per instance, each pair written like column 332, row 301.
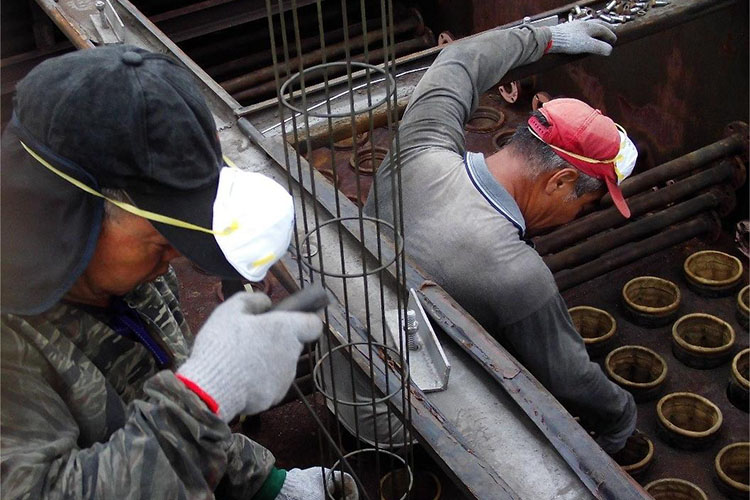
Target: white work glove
column 245, row 360
column 307, row 484
column 582, row 37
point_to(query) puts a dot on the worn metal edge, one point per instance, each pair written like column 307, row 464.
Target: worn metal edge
column 601, row 475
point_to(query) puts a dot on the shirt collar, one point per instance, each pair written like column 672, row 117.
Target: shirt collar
column 495, row 194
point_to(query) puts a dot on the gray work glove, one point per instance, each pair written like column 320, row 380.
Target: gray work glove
column 307, row 484
column 582, row 37
column 246, row 361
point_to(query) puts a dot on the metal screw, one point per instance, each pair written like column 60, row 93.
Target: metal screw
column 412, row 326
column 660, row 3
column 100, row 7
column 610, row 5
column 605, row 17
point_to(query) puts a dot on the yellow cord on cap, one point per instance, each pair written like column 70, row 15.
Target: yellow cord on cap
column 132, row 208
column 577, row 156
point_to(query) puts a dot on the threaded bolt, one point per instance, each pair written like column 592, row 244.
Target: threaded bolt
column 412, row 326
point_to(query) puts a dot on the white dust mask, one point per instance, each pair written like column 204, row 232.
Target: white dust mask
column 260, row 214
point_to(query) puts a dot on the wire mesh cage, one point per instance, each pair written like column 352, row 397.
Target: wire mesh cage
column 361, row 366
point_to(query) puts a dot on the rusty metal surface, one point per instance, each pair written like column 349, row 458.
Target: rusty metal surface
column 604, row 293
column 340, row 159
column 674, row 90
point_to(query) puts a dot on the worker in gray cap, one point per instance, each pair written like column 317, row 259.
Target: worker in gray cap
column 111, row 167
column 466, row 217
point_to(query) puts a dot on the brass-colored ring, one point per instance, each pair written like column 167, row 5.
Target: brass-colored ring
column 720, row 470
column 601, row 312
column 660, row 311
column 692, row 276
column 681, row 482
column 685, row 432
column 706, row 351
column 629, row 383
column 741, row 380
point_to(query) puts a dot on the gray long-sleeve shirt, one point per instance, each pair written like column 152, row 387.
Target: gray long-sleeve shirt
column 465, row 230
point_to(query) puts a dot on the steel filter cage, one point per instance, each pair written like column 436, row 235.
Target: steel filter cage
column 398, row 241
column 308, row 112
column 375, row 345
column 329, row 474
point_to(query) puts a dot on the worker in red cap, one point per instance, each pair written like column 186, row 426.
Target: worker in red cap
column 466, row 217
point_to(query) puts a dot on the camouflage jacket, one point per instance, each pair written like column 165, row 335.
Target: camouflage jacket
column 86, row 413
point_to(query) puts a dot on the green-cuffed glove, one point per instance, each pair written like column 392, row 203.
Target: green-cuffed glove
column 582, row 37
column 243, row 362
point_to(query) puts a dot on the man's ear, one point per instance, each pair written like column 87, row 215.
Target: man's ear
column 563, row 180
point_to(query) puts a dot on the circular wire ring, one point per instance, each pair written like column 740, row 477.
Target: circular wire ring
column 329, row 474
column 284, row 87
column 319, row 385
column 397, row 253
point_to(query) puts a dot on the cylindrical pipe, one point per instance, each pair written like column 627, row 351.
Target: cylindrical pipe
column 321, row 134
column 263, row 56
column 331, row 52
column 624, row 255
column 374, row 56
column 639, row 204
column 219, row 48
column 678, row 167
column 605, row 241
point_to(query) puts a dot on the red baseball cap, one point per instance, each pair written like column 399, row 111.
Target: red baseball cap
column 590, row 141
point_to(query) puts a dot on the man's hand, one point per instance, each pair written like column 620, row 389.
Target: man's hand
column 307, row 484
column 245, row 361
column 582, row 37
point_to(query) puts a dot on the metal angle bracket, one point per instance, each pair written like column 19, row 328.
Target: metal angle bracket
column 108, row 24
column 428, row 366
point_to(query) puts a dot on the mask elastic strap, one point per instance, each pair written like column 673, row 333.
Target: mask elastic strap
column 127, row 206
column 576, row 156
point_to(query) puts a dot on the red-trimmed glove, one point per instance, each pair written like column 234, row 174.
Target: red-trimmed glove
column 582, row 37
column 243, row 362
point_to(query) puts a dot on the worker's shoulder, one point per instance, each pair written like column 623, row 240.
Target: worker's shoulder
column 518, row 272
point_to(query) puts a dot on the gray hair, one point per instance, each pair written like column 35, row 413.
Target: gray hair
column 111, row 210
column 542, row 158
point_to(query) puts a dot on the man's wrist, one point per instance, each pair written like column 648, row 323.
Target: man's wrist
column 203, row 395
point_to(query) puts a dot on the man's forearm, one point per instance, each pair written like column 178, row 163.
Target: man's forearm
column 448, row 93
column 548, row 345
column 170, row 446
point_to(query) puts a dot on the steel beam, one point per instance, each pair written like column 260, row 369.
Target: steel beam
column 601, row 475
